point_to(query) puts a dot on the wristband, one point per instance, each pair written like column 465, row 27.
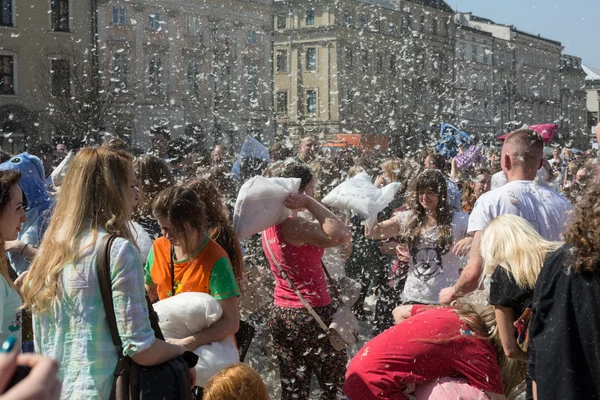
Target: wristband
column 24, row 247
column 190, row 358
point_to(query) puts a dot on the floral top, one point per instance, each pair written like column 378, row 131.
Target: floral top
column 75, row 332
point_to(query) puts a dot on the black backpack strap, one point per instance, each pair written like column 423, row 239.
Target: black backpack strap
column 105, row 282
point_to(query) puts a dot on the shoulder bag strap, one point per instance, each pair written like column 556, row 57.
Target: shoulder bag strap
column 311, row 310
column 105, row 281
column 332, row 285
column 172, row 271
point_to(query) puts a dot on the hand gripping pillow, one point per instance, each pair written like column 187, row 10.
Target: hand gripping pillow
column 189, row 313
column 259, row 205
column 360, row 195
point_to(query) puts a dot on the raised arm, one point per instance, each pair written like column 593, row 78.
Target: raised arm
column 329, row 231
column 385, row 229
column 469, row 278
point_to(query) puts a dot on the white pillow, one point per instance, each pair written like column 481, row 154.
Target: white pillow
column 259, row 205
column 360, row 195
column 189, row 313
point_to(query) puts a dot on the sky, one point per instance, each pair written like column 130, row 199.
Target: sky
column 574, row 23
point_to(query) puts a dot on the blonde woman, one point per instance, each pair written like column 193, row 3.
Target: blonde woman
column 62, row 290
column 513, row 254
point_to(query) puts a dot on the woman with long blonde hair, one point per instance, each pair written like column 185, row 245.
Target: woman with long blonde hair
column 513, row 255
column 62, row 289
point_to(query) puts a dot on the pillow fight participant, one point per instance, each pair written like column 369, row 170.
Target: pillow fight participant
column 37, row 204
column 235, row 382
column 12, row 217
column 153, row 175
column 427, row 234
column 186, row 259
column 476, row 184
column 543, row 208
column 430, row 343
column 218, row 224
column 513, row 254
column 307, row 149
column 564, row 358
column 437, row 161
column 62, row 287
column 298, row 246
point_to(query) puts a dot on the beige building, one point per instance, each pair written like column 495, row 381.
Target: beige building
column 358, row 66
column 592, row 88
column 573, row 118
column 200, row 69
column 34, row 36
column 532, row 82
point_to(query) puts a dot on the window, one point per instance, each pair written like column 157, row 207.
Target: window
column 474, row 53
column 154, row 22
column 194, row 26
column 120, row 70
column 59, row 10
column 194, row 73
column 362, row 22
column 348, row 57
column 434, row 26
column 252, row 85
column 310, row 17
column 365, row 60
column 251, row 36
column 462, row 51
column 119, row 15
column 391, row 28
column 379, row 63
column 377, row 25
column 282, row 102
column 311, row 59
column 6, row 13
column 281, row 21
column 155, row 75
column 311, row 101
column 349, row 102
column 281, row 60
column 347, row 19
column 422, row 22
column 7, row 75
column 393, row 64
column 485, row 56
column 60, row 75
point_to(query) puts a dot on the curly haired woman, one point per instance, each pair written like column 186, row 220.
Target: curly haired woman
column 564, row 359
column 427, row 234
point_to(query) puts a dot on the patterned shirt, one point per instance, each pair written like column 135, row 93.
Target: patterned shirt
column 75, row 332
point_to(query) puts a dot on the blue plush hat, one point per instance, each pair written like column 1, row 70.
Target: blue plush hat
column 32, row 179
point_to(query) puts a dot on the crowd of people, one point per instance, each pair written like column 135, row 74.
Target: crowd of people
column 517, row 225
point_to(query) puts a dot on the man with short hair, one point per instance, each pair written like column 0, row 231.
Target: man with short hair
column 547, row 211
column 307, row 149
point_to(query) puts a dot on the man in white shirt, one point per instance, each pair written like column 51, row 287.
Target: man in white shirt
column 548, row 212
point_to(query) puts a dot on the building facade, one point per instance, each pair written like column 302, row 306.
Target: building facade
column 35, row 39
column 531, row 81
column 199, row 69
column 592, row 88
column 573, row 98
column 357, row 66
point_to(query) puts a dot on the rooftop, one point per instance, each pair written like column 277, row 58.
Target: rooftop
column 592, row 74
